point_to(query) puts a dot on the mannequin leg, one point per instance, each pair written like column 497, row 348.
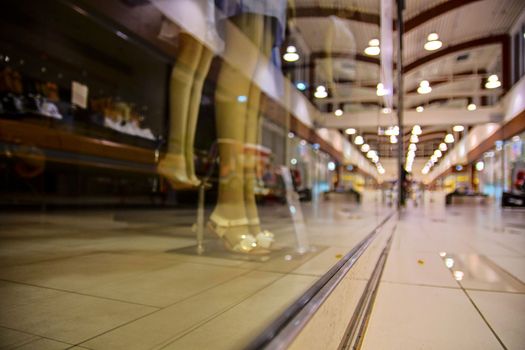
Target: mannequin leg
column 193, row 112
column 229, row 218
column 252, row 138
column 173, row 165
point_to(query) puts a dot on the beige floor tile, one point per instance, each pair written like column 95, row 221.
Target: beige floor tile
column 168, row 285
column 235, row 328
column 505, row 312
column 45, row 344
column 84, row 271
column 513, row 265
column 167, row 324
column 63, row 316
column 417, row 268
column 10, row 339
column 320, row 264
column 478, row 272
column 416, row 317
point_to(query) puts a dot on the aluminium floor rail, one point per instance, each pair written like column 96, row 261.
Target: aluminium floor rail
column 282, row 331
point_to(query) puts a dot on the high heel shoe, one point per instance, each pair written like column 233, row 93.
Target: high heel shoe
column 236, row 235
column 173, row 168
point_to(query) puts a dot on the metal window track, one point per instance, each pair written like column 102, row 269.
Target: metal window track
column 281, row 332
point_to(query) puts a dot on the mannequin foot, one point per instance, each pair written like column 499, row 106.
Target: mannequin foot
column 236, row 235
column 173, row 168
column 264, row 238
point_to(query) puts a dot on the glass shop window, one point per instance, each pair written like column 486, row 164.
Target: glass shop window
column 74, row 72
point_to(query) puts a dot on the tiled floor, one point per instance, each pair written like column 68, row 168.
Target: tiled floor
column 132, row 279
column 454, row 279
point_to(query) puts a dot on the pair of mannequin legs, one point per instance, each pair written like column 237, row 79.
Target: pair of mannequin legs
column 187, row 79
column 237, row 101
column 235, row 218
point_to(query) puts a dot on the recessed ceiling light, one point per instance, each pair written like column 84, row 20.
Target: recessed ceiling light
column 338, row 112
column 350, row 131
column 420, row 109
column 458, row 128
column 365, row 148
column 471, row 107
column 359, row 140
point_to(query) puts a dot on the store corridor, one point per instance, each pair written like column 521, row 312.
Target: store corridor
column 454, row 279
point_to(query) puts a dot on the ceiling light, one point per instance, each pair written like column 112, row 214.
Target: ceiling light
column 424, row 87
column 438, row 153
column 320, row 92
column 393, row 139
column 381, row 171
column 443, row 147
column 373, row 48
column 380, row 91
column 420, row 109
column 350, row 131
column 493, row 82
column 301, row 86
column 414, row 138
column 371, row 154
column 338, row 112
column 359, row 140
column 412, row 147
column 386, row 110
column 291, row 54
column 365, row 148
column 449, row 138
column 480, row 166
column 434, row 158
column 458, row 128
column 472, row 107
column 416, row 130
column 411, row 154
column 433, row 43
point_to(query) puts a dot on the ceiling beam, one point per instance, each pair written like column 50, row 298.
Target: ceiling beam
column 452, row 78
column 372, row 18
column 434, row 12
column 319, row 11
column 484, row 41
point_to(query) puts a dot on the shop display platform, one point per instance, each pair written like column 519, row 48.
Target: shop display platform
column 124, row 280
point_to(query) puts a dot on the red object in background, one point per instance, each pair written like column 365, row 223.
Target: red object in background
column 519, row 183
